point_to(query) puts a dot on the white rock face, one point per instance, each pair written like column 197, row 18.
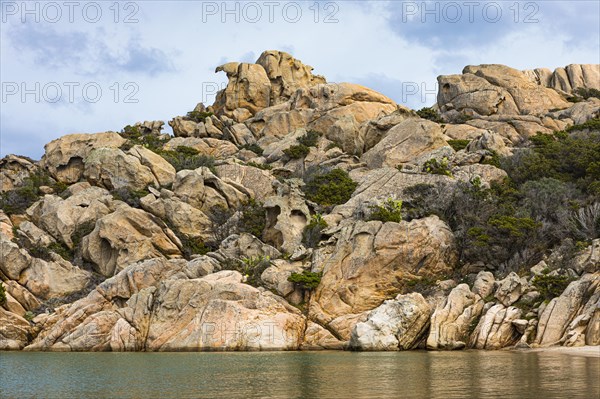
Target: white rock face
column 451, row 319
column 497, row 328
column 61, row 218
column 160, row 308
column 484, row 284
column 64, row 156
column 112, row 169
column 397, row 324
column 510, row 289
column 567, row 318
column 54, row 279
column 14, row 170
column 126, row 236
column 371, row 260
column 45, row 279
column 287, row 216
column 405, row 142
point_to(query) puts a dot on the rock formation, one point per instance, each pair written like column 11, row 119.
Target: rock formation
column 296, row 214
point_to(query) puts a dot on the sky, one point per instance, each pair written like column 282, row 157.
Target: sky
column 94, row 66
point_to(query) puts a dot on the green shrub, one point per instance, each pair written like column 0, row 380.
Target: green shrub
column 297, row 151
column 565, row 157
column 389, row 211
column 81, row 231
column 330, row 188
column 592, row 124
column 462, row 118
column 253, row 267
column 263, row 166
column 135, row 137
column 306, row 280
column 551, row 286
column 42, row 252
column 131, row 132
column 301, row 150
column 2, row 294
column 514, row 227
column 62, row 250
column 194, row 246
column 492, row 159
column 188, row 158
column 129, row 196
column 29, row 316
column 333, row 145
column 549, row 197
column 430, row 114
column 254, row 219
column 199, row 116
column 581, row 94
column 310, row 139
column 435, row 167
column 458, row 145
column 421, row 284
column 255, row 148
column 479, row 236
column 17, row 200
column 313, row 231
column 420, row 200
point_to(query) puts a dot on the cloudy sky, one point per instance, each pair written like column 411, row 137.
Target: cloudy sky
column 84, row 66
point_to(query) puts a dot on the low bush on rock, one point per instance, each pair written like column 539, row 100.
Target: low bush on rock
column 423, row 284
column 430, row 114
column 301, row 150
column 199, row 116
column 389, row 211
column 42, row 252
column 306, row 280
column 550, row 286
column 130, row 197
column 135, row 137
column 17, row 200
column 581, row 94
column 255, row 148
column 188, row 158
column 549, row 197
column 249, row 218
column 310, row 139
column 435, row 167
column 2, row 294
column 297, row 151
column 330, row 188
column 251, row 268
column 458, row 145
column 254, row 219
column 194, row 246
column 592, row 124
column 262, row 166
column 313, row 231
column 566, row 157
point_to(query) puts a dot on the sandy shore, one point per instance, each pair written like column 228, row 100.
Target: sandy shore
column 587, row 351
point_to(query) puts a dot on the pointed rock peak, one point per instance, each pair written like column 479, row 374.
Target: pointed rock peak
column 272, row 80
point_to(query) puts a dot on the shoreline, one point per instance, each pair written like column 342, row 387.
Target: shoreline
column 585, row 351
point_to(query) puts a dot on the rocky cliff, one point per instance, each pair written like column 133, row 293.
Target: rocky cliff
column 299, row 214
